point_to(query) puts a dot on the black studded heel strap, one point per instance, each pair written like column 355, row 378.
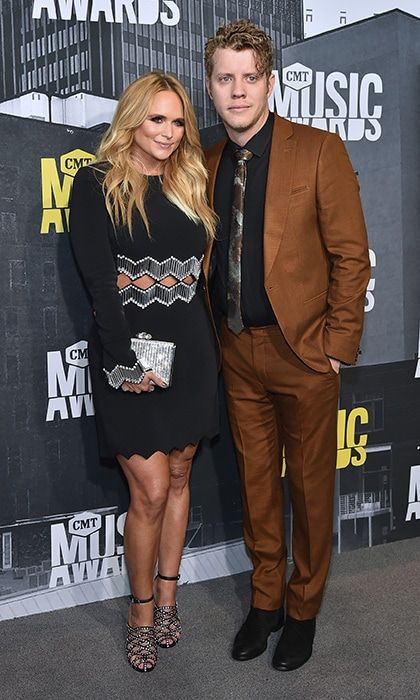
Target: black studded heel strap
column 140, row 601
column 168, row 578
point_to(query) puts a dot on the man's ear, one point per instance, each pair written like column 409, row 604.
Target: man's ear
column 208, row 87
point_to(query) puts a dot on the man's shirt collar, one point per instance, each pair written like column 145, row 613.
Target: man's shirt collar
column 259, row 143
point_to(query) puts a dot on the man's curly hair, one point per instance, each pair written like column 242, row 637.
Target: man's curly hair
column 240, row 35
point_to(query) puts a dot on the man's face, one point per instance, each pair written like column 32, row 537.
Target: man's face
column 239, row 92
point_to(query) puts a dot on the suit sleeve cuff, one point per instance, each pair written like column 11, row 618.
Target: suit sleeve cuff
column 339, row 349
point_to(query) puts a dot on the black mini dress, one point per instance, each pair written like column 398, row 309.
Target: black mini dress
column 187, row 411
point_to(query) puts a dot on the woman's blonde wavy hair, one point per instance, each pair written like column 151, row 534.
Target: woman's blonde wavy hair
column 184, row 173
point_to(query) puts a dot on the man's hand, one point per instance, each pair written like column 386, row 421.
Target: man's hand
column 335, row 364
column 146, row 385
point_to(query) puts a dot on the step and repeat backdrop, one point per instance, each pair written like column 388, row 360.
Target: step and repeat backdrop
column 63, row 65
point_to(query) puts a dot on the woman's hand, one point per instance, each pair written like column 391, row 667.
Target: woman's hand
column 147, row 384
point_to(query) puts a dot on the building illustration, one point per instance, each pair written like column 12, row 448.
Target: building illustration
column 95, row 60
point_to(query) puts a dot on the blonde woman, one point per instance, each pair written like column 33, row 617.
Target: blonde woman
column 139, row 226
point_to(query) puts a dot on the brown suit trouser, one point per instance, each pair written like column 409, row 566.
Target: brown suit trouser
column 275, row 400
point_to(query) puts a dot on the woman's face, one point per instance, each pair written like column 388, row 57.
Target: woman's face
column 160, row 134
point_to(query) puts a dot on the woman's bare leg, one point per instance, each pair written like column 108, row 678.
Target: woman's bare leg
column 174, row 523
column 149, row 483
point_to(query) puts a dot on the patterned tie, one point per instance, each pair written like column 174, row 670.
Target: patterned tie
column 234, row 316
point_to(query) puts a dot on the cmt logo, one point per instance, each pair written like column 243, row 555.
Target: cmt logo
column 69, row 387
column 56, row 184
column 343, row 103
column 297, row 76
column 85, row 524
column 77, row 354
column 414, row 494
column 71, row 162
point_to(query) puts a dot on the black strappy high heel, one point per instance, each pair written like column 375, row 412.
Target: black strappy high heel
column 167, row 623
column 141, row 644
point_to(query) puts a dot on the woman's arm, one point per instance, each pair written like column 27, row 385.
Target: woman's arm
column 89, row 225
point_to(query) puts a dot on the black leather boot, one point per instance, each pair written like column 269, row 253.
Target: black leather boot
column 251, row 640
column 294, row 647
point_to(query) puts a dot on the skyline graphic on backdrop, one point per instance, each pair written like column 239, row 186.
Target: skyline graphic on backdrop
column 320, row 16
column 53, row 69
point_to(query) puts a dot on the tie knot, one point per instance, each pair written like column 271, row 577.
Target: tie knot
column 243, row 154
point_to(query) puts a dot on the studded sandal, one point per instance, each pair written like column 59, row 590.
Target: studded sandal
column 167, row 623
column 140, row 644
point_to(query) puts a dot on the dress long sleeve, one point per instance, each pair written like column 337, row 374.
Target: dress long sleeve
column 90, row 228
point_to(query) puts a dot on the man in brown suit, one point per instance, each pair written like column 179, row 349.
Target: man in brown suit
column 288, row 275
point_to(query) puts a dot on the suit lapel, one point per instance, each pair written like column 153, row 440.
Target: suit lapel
column 279, row 183
column 213, row 156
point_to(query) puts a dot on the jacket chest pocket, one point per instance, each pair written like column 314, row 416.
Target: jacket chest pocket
column 300, row 195
column 320, row 295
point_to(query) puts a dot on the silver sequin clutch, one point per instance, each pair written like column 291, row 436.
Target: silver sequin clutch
column 157, row 355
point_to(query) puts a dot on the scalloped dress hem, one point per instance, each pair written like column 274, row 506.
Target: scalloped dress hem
column 210, row 435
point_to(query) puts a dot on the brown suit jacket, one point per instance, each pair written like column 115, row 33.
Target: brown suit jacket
column 316, row 260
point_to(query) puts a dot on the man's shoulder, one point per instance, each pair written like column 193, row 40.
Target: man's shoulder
column 213, row 154
column 215, row 149
column 303, row 132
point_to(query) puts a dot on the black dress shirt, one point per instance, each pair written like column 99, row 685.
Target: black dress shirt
column 255, row 305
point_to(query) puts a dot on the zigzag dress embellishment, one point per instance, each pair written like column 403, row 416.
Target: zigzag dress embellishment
column 157, row 271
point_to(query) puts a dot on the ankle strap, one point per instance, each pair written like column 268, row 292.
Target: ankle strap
column 168, row 578
column 140, row 601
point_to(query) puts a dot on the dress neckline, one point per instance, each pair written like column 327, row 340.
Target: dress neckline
column 154, row 180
